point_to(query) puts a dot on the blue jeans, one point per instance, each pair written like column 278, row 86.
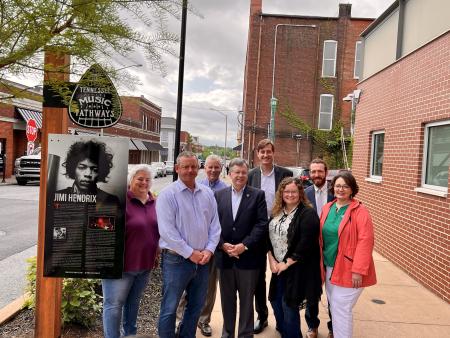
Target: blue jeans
column 287, row 318
column 180, row 274
column 121, row 299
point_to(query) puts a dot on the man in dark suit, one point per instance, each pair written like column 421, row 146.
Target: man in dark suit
column 241, row 252
column 318, row 194
column 267, row 177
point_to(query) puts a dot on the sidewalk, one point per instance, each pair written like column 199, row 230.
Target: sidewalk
column 8, row 181
column 409, row 310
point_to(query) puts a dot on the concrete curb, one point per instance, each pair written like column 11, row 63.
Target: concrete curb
column 12, row 308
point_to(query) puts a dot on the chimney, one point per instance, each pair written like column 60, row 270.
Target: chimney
column 345, row 10
column 255, row 7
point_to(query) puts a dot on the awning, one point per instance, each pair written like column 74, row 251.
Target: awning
column 238, row 147
column 131, row 145
column 139, row 145
column 153, row 146
column 31, row 114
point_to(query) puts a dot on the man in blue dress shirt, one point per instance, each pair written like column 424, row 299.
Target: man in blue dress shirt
column 213, row 168
column 189, row 227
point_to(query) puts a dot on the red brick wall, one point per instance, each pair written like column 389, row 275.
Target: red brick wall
column 6, row 132
column 412, row 229
column 298, row 83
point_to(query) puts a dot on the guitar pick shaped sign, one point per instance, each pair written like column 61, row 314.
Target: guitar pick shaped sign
column 95, row 102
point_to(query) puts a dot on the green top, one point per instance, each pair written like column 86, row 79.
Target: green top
column 330, row 234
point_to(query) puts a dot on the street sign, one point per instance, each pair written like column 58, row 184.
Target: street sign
column 30, row 147
column 31, row 130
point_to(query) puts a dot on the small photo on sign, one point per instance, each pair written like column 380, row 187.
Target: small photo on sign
column 102, row 223
column 59, row 233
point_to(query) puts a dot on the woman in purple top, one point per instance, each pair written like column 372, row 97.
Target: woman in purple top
column 121, row 297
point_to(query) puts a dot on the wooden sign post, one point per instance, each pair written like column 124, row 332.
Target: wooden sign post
column 48, row 290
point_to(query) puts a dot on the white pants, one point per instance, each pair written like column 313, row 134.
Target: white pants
column 342, row 300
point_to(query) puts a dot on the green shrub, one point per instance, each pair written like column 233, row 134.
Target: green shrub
column 80, row 303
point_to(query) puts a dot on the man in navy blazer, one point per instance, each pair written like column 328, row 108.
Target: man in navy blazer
column 241, row 251
column 267, row 176
column 318, row 194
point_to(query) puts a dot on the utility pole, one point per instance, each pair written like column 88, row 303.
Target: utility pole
column 49, row 290
column 180, row 84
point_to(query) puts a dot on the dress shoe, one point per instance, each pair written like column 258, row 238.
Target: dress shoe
column 312, row 333
column 330, row 335
column 259, row 326
column 205, row 329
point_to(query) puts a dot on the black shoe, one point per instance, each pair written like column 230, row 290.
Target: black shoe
column 205, row 329
column 259, row 326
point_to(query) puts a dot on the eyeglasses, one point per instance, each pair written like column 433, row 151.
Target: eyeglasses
column 290, row 192
column 344, row 187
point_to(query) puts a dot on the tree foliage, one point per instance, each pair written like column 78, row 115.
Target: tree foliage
column 91, row 31
column 326, row 143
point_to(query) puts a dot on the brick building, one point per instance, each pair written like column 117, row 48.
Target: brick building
column 140, row 122
column 401, row 154
column 14, row 114
column 309, row 64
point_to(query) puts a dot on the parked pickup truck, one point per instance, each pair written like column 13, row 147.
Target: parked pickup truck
column 28, row 167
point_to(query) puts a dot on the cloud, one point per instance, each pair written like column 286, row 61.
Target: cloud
column 216, row 46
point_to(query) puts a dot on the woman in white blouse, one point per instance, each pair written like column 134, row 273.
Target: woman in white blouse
column 294, row 256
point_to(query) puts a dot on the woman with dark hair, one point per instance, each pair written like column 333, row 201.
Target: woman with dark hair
column 347, row 240
column 294, row 256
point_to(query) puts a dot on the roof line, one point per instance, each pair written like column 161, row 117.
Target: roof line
column 310, row 17
column 380, row 19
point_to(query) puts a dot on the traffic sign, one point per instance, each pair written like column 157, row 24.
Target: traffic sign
column 31, row 130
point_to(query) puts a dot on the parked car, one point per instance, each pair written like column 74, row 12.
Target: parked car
column 169, row 167
column 303, row 174
column 162, row 168
column 155, row 171
column 28, row 168
column 333, row 172
column 201, row 163
column 1, row 163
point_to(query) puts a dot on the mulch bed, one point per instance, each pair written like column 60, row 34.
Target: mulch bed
column 22, row 325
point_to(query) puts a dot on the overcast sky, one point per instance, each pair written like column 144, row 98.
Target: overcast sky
column 215, row 59
column 216, row 45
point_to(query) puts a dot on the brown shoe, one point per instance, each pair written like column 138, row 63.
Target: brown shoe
column 330, row 335
column 312, row 333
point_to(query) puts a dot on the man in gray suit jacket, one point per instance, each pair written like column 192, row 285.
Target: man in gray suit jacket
column 318, row 194
column 241, row 250
column 266, row 177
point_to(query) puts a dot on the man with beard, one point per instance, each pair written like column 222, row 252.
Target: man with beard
column 318, row 194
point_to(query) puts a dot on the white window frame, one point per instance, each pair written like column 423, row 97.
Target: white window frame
column 335, row 57
column 321, row 112
column 425, row 156
column 372, row 154
column 357, row 45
